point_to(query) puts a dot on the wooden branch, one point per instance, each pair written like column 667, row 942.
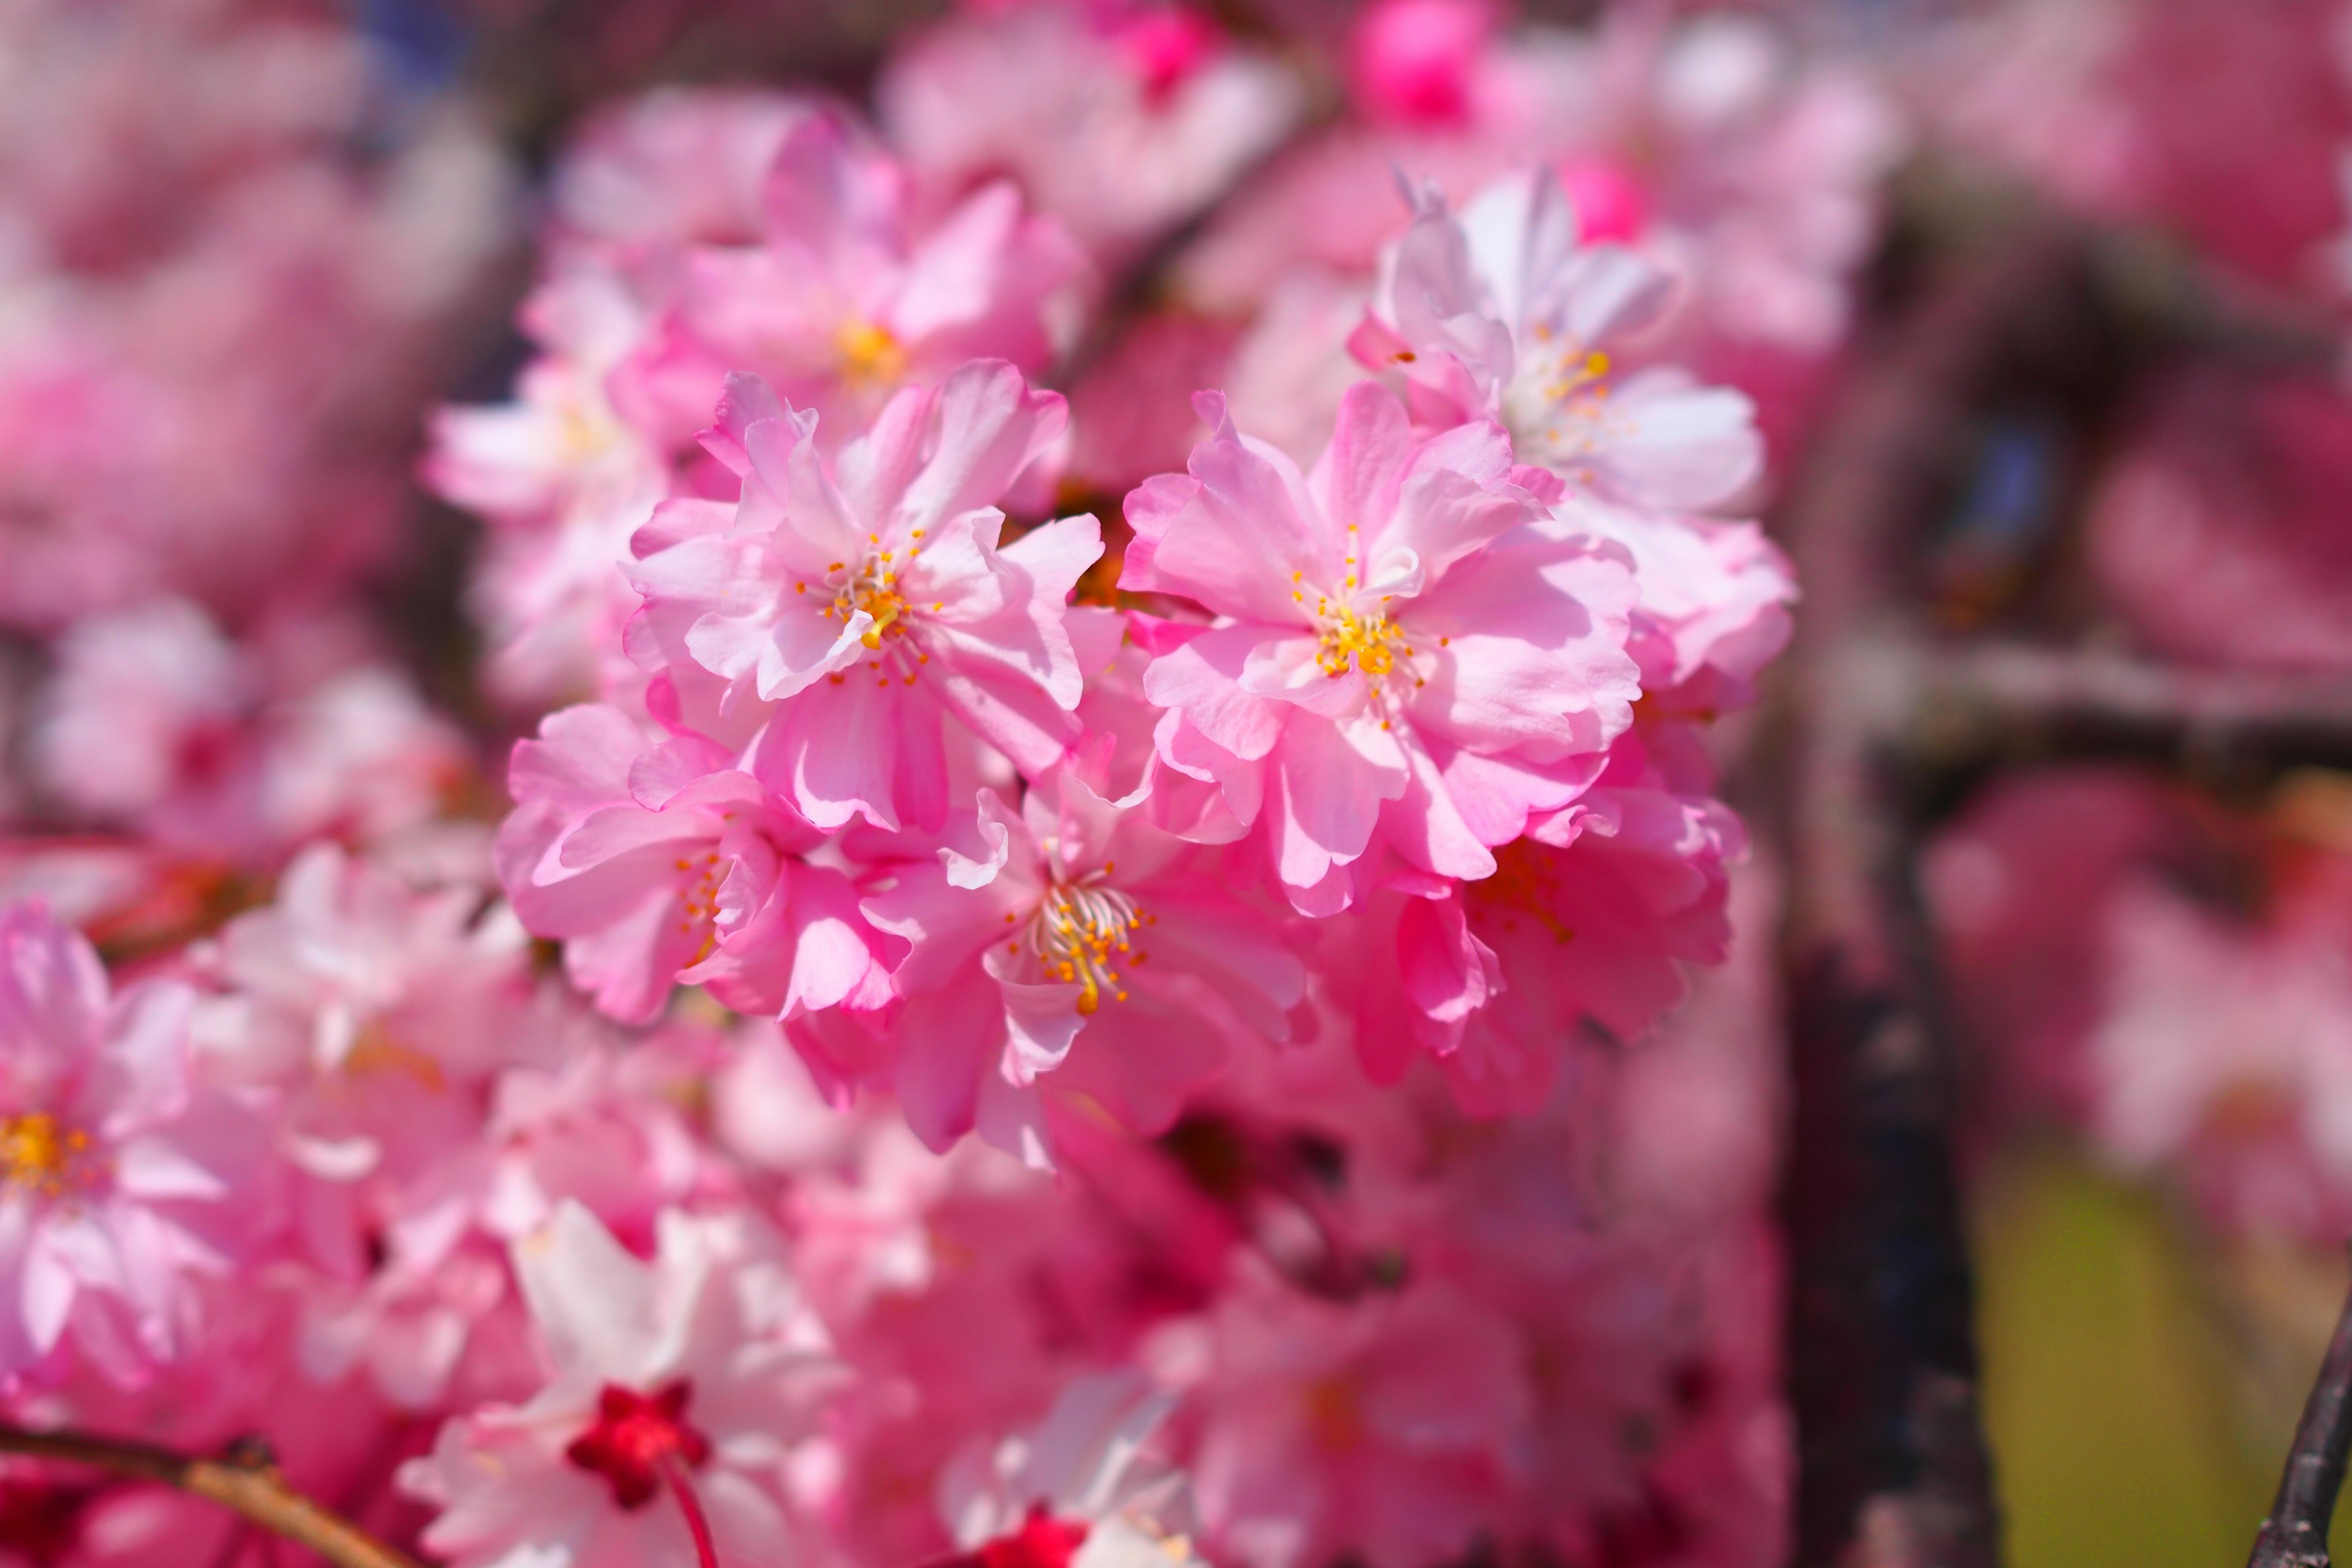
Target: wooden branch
column 246, row 1482
column 1989, row 700
column 2295, row 1534
column 1892, row 1465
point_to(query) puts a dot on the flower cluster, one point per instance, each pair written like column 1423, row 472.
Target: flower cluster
column 1107, row 807
column 1003, row 825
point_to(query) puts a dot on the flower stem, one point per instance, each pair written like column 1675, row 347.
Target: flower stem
column 674, row 1472
column 249, row 1485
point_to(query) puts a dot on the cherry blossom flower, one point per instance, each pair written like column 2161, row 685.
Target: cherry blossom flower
column 656, row 864
column 1405, row 662
column 563, row 477
column 678, row 1387
column 1076, row 943
column 1385, row 1430
column 1504, row 314
column 1131, row 117
column 864, row 598
column 1585, row 929
column 1075, row 1491
column 845, row 297
column 120, row 1181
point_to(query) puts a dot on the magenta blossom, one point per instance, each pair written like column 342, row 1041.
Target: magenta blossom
column 1583, row 933
column 1400, row 659
column 119, row 1180
column 865, row 596
column 655, row 864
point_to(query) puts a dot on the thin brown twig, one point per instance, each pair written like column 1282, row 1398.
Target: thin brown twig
column 2295, row 1534
column 248, row 1484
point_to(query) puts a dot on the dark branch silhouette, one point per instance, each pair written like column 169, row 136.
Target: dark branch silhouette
column 2295, row 1534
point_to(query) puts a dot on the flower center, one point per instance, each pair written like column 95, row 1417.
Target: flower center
column 1042, row 1541
column 1335, row 1414
column 1370, row 643
column 1526, row 882
column 873, row 587
column 637, row 1437
column 1080, row 934
column 375, row 1051
column 871, row 354
column 39, row 1151
column 1558, row 403
column 701, row 878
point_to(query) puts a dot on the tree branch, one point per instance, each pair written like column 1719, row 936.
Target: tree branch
column 250, row 1484
column 2295, row 1534
column 1892, row 1466
column 1990, row 699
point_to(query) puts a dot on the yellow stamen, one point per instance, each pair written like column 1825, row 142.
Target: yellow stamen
column 1370, row 643
column 1079, row 933
column 870, row 354
column 39, row 1151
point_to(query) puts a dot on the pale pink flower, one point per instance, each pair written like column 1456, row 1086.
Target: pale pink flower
column 848, row 297
column 1585, row 931
column 374, row 1013
column 1077, row 1490
column 675, row 166
column 564, row 478
column 2224, row 1060
column 154, row 718
column 678, row 1387
column 1712, row 607
column 119, row 1180
column 1129, row 119
column 864, row 598
column 1071, row 943
column 1292, row 367
column 1403, row 662
column 1385, row 1428
column 656, row 864
column 604, row 1128
column 148, row 713
column 1506, row 313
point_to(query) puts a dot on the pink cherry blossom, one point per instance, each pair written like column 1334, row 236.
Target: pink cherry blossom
column 678, row 1386
column 1585, row 929
column 1504, row 314
column 563, row 477
column 862, row 601
column 1714, row 607
column 1413, row 62
column 1385, row 1430
column 677, row 166
column 847, row 295
column 1129, row 119
column 1074, row 946
column 1075, row 1491
column 2224, row 1058
column 656, row 864
column 1405, row 663
column 120, row 1181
